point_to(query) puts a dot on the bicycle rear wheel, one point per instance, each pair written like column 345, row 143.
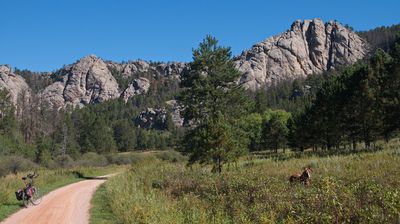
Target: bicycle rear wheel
column 36, row 196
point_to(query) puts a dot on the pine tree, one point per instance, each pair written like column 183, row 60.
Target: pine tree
column 124, row 135
column 275, row 134
column 101, row 137
column 391, row 93
column 274, row 129
column 212, row 102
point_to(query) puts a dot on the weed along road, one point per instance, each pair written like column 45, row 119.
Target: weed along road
column 68, row 204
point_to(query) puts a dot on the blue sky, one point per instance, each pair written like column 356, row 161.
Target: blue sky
column 43, row 35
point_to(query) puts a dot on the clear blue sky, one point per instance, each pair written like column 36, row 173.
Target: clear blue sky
column 43, row 35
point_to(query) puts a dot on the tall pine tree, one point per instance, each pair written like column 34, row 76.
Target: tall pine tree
column 213, row 102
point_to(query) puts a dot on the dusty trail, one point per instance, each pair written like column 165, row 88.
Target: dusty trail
column 68, row 204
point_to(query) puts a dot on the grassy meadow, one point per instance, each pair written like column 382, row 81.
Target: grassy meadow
column 47, row 181
column 353, row 188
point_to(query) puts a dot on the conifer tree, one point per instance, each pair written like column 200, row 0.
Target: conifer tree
column 213, row 102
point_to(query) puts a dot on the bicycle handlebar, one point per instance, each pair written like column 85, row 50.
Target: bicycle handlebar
column 30, row 176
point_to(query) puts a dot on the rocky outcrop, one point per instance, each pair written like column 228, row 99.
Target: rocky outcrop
column 310, row 46
column 91, row 80
column 13, row 83
column 131, row 68
column 152, row 119
column 176, row 109
column 87, row 81
column 172, row 69
column 137, row 87
column 53, row 95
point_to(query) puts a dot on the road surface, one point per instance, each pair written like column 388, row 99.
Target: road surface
column 69, row 204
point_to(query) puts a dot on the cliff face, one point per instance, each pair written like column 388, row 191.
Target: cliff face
column 86, row 81
column 13, row 83
column 310, row 46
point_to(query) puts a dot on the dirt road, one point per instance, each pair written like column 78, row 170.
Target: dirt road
column 69, row 204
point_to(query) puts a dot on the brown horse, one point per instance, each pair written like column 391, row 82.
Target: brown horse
column 303, row 178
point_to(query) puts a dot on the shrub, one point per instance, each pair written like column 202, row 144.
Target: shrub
column 171, row 156
column 92, row 159
column 64, row 161
column 125, row 158
column 15, row 164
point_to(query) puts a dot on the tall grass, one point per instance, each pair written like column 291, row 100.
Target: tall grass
column 359, row 188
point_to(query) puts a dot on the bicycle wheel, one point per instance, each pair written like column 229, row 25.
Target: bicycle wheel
column 26, row 200
column 36, row 196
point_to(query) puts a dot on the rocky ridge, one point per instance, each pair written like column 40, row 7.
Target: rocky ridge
column 91, row 80
column 170, row 69
column 310, row 46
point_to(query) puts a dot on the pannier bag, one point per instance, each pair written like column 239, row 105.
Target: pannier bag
column 19, row 194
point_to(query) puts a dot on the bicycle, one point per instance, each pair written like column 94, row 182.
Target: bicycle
column 30, row 194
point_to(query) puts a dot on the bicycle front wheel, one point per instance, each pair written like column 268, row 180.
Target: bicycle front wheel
column 26, row 200
column 36, row 196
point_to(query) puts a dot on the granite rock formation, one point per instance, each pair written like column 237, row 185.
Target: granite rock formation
column 13, row 83
column 310, row 46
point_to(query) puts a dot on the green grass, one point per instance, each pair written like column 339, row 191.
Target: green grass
column 47, row 181
column 100, row 211
column 355, row 188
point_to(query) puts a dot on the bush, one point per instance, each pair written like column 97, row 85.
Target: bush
column 171, row 156
column 92, row 159
column 15, row 164
column 64, row 161
column 126, row 158
column 135, row 158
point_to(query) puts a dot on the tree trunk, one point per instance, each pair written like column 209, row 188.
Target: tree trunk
column 354, row 145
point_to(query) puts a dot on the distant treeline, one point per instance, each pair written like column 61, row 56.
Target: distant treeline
column 359, row 105
column 381, row 37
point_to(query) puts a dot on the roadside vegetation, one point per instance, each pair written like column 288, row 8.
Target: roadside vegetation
column 355, row 188
column 101, row 211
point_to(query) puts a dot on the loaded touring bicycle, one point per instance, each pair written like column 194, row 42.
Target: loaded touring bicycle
column 30, row 194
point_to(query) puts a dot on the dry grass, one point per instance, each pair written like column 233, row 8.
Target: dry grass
column 358, row 188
